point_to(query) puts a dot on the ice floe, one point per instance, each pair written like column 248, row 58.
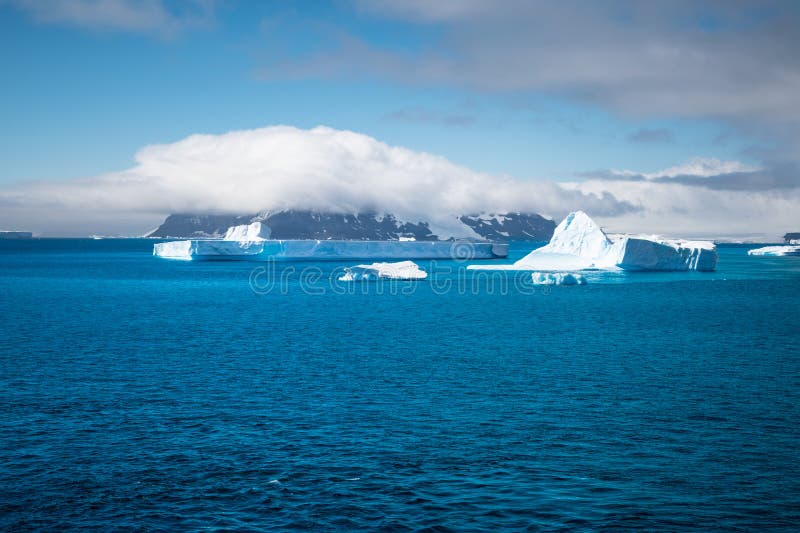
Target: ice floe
column 775, row 250
column 402, row 270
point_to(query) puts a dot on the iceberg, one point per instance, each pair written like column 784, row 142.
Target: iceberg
column 403, row 270
column 248, row 232
column 578, row 243
column 324, row 250
column 557, row 278
column 775, row 250
column 251, row 242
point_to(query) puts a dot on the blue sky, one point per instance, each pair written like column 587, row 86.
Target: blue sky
column 89, row 97
column 676, row 115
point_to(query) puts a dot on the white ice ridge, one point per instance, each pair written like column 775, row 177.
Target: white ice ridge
column 578, row 243
column 248, row 232
column 557, row 278
column 403, row 270
column 775, row 250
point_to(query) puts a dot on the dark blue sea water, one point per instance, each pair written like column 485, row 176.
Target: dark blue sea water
column 147, row 394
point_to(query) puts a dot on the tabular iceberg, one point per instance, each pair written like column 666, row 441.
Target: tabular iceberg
column 403, row 270
column 557, row 278
column 578, row 243
column 251, row 242
column 775, row 250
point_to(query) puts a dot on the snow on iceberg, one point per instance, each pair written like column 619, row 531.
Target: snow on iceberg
column 775, row 250
column 248, row 232
column 557, row 278
column 577, row 235
column 578, row 243
column 403, row 270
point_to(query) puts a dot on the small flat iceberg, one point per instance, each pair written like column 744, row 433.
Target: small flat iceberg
column 557, row 278
column 776, row 250
column 578, row 243
column 402, row 270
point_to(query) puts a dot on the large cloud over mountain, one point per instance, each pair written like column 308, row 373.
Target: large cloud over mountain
column 283, row 167
column 324, row 169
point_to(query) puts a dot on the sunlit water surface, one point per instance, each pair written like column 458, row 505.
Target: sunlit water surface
column 142, row 393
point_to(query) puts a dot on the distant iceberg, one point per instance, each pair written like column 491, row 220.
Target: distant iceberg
column 578, row 243
column 14, row 235
column 557, row 278
column 403, row 270
column 775, row 250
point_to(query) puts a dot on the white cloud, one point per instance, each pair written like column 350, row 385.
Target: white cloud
column 149, row 16
column 697, row 206
column 283, row 167
column 331, row 170
column 697, row 166
column 733, row 62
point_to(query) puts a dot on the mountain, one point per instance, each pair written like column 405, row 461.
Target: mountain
column 511, row 226
column 297, row 224
column 198, row 226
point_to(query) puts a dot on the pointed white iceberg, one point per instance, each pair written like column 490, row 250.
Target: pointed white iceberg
column 577, row 235
column 402, row 270
column 578, row 243
column 775, row 250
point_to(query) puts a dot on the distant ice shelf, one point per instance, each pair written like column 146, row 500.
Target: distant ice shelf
column 776, row 250
column 402, row 270
column 578, row 243
column 13, row 235
column 320, row 250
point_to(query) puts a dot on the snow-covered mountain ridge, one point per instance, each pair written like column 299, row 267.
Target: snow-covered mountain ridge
column 297, row 224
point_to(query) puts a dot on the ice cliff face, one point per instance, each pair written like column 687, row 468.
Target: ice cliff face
column 293, row 224
column 578, row 243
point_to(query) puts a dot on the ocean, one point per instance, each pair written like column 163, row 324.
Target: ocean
column 139, row 393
